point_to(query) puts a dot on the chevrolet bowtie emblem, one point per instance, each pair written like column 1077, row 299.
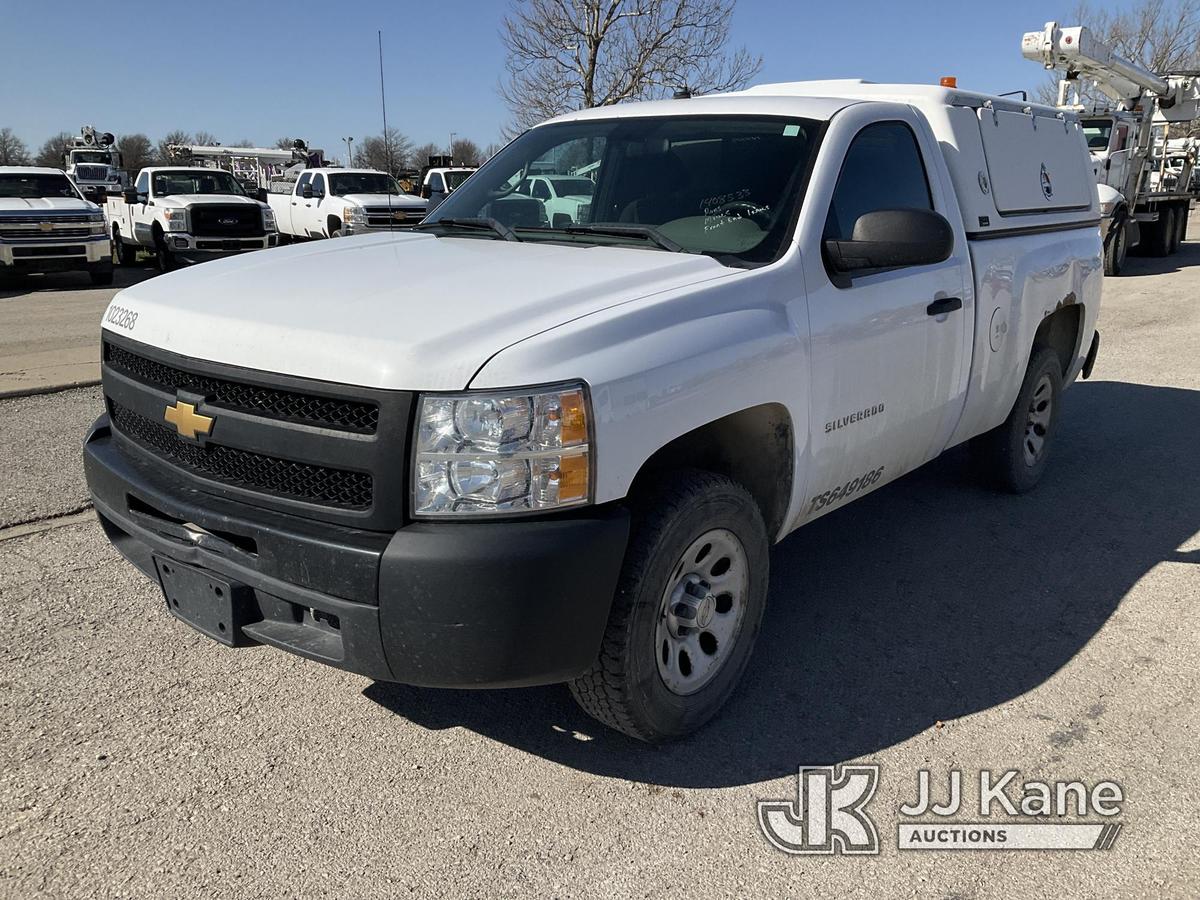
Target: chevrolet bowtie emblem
column 189, row 423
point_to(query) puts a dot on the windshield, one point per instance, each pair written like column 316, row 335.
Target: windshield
column 189, row 181
column 29, row 187
column 1097, row 132
column 454, row 179
column 722, row 185
column 363, row 183
column 572, row 187
column 91, row 156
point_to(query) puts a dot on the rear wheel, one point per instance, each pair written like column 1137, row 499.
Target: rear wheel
column 1013, row 456
column 688, row 608
column 1160, row 240
column 123, row 253
column 1180, row 229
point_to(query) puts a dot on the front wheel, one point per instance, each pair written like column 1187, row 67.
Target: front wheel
column 1013, row 456
column 688, row 609
column 1116, row 249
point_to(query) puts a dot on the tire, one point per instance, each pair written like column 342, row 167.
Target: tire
column 645, row 682
column 163, row 256
column 1116, row 248
column 1177, row 233
column 336, row 233
column 1013, row 456
column 101, row 276
column 1159, row 240
column 124, row 254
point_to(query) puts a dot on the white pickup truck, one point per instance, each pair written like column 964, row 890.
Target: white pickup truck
column 185, row 214
column 562, row 453
column 327, row 203
column 47, row 226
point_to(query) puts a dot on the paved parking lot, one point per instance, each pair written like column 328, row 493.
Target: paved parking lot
column 932, row 625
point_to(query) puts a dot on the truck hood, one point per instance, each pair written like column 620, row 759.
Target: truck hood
column 409, row 311
column 195, row 199
column 45, row 204
column 402, row 201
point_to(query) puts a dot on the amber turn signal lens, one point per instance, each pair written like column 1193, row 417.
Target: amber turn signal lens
column 574, row 418
column 573, row 478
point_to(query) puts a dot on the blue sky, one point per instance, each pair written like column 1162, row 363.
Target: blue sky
column 308, row 69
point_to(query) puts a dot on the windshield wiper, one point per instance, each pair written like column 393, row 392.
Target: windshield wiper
column 480, row 223
column 645, row 232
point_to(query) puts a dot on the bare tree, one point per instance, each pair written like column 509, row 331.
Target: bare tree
column 207, row 138
column 418, row 157
column 387, row 152
column 571, row 54
column 13, row 151
column 491, row 150
column 54, row 151
column 1162, row 35
column 136, row 151
column 284, row 143
column 466, row 153
column 161, row 153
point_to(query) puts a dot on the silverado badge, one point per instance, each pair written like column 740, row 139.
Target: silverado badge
column 189, row 423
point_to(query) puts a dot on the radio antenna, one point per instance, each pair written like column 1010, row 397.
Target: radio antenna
column 387, row 141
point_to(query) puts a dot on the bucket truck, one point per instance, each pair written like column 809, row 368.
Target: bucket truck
column 1127, row 137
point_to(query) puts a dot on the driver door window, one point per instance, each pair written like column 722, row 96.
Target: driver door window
column 318, row 186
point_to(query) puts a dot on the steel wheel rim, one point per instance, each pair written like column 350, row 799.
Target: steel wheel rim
column 701, row 612
column 1037, row 421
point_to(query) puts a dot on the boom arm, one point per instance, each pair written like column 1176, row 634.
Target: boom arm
column 1080, row 52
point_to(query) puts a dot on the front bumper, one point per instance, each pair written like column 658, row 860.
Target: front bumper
column 55, row 255
column 479, row 604
column 198, row 248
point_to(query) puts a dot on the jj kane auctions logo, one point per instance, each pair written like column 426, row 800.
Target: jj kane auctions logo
column 829, row 813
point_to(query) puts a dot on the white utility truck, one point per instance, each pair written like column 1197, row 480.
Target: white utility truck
column 440, row 182
column 47, row 226
column 185, row 214
column 496, row 451
column 94, row 164
column 1127, row 137
column 328, row 203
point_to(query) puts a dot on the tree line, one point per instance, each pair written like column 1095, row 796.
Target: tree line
column 392, row 153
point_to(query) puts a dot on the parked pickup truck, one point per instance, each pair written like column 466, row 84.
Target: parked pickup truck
column 187, row 215
column 327, row 203
column 561, row 454
column 47, row 226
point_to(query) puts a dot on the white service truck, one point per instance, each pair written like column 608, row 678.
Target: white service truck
column 439, row 182
column 187, row 214
column 1127, row 136
column 94, row 164
column 47, row 226
column 496, row 451
column 328, row 203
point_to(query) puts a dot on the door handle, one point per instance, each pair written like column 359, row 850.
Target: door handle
column 943, row 305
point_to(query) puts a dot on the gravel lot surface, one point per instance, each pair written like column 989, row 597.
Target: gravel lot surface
column 930, row 625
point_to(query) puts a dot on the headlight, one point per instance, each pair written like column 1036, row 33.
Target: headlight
column 354, row 215
column 268, row 219
column 502, row 453
column 96, row 223
column 174, row 219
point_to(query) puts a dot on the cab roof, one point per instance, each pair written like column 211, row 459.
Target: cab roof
column 30, row 170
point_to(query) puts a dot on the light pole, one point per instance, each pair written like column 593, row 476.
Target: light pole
column 349, row 151
column 451, row 151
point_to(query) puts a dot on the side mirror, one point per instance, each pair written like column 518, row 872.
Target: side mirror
column 425, row 191
column 130, row 195
column 307, row 193
column 261, row 195
column 893, row 238
column 561, row 221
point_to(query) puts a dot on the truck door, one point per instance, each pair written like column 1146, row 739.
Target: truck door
column 300, row 205
column 316, row 208
column 890, row 348
column 138, row 220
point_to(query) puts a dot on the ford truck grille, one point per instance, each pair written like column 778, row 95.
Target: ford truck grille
column 325, row 451
column 214, row 220
column 246, row 469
